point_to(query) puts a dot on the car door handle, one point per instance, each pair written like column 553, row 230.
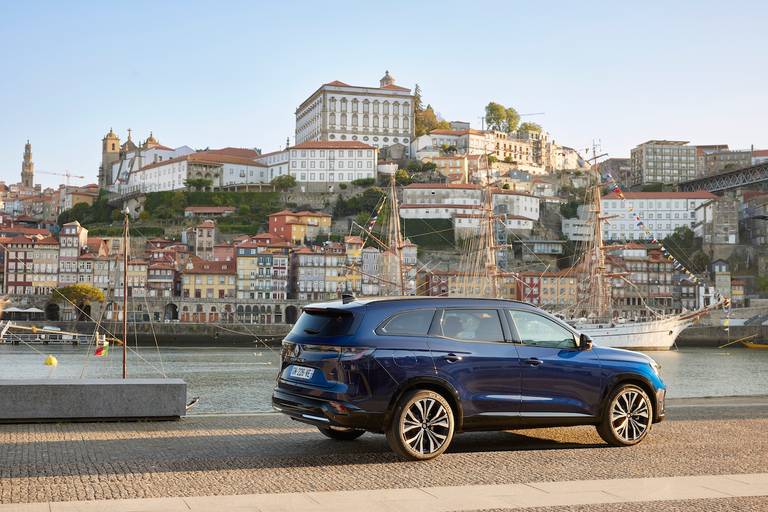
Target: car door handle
column 534, row 361
column 452, row 358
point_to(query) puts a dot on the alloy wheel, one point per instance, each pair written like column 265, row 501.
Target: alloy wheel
column 630, row 415
column 425, row 426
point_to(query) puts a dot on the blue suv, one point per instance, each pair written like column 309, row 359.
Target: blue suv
column 421, row 369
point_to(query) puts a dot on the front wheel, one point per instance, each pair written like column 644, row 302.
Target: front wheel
column 627, row 418
column 422, row 425
column 341, row 434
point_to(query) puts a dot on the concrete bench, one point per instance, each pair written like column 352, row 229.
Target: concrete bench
column 40, row 400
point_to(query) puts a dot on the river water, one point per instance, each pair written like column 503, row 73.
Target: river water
column 230, row 380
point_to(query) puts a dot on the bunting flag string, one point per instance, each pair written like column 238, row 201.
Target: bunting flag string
column 678, row 266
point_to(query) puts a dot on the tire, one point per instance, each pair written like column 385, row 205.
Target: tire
column 432, row 437
column 628, row 416
column 341, row 434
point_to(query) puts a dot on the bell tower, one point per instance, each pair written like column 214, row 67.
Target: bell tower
column 110, row 153
column 386, row 80
column 28, row 167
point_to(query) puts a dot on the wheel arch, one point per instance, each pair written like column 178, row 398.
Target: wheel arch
column 444, row 388
column 634, row 379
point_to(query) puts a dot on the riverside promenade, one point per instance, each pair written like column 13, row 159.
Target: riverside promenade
column 711, row 454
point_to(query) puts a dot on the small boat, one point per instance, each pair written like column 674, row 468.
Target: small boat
column 760, row 345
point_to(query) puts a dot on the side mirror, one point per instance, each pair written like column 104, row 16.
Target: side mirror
column 585, row 342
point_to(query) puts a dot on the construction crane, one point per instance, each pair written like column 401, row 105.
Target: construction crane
column 66, row 175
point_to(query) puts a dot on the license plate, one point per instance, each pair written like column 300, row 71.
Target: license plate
column 302, row 372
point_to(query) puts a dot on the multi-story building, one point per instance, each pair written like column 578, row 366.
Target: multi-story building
column 380, row 116
column 31, row 265
column 550, row 290
column 201, row 239
column 203, row 279
column 661, row 212
column 650, row 274
column 318, row 273
column 262, row 270
column 73, row 239
column 161, row 279
column 717, row 220
column 464, row 204
column 701, row 152
column 662, row 161
column 299, row 227
column 221, row 168
column 332, row 162
column 717, row 161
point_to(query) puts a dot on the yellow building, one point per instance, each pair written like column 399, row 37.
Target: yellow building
column 299, row 227
column 208, row 279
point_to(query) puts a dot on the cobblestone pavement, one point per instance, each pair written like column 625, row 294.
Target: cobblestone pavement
column 752, row 504
column 269, row 453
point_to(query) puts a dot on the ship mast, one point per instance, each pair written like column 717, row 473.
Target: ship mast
column 490, row 243
column 125, row 295
column 395, row 236
column 599, row 294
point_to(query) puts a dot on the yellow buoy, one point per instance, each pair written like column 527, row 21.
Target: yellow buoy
column 51, row 361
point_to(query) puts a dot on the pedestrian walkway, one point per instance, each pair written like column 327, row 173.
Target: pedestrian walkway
column 438, row 499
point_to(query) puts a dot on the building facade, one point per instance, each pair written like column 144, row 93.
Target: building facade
column 661, row 212
column 379, row 116
column 662, row 161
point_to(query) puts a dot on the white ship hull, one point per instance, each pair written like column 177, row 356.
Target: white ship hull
column 653, row 335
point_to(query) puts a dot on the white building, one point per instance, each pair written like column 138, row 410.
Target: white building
column 661, row 212
column 379, row 116
column 222, row 169
column 332, row 162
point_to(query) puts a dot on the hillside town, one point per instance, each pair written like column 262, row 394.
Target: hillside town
column 241, row 235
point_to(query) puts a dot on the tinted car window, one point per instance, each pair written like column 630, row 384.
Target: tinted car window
column 472, row 325
column 323, row 323
column 540, row 331
column 409, row 323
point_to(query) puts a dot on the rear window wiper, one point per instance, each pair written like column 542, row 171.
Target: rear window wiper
column 311, row 331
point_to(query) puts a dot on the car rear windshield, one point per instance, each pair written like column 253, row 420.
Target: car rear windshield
column 323, row 323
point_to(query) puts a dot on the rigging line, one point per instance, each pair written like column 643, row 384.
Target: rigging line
column 154, row 336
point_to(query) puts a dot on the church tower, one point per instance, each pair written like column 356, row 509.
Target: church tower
column 386, row 80
column 110, row 153
column 28, row 167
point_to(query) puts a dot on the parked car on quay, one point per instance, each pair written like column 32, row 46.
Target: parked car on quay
column 421, row 369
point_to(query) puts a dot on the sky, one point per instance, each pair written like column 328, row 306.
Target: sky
column 215, row 74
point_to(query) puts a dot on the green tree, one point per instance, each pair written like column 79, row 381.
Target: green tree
column 501, row 118
column 496, row 116
column 284, row 184
column 513, row 119
column 80, row 295
column 402, row 177
column 530, row 127
column 198, row 184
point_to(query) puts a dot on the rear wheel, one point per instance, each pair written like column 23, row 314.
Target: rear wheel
column 627, row 418
column 422, row 425
column 341, row 433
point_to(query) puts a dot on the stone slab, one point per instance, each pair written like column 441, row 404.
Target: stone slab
column 39, row 400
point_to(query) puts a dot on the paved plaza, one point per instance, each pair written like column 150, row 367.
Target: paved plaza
column 712, row 454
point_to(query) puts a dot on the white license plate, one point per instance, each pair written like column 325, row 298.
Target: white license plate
column 302, row 372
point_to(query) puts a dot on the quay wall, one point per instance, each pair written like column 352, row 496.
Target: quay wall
column 182, row 334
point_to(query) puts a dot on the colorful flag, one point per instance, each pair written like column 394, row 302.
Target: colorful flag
column 102, row 350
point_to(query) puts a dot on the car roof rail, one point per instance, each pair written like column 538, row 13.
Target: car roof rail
column 346, row 298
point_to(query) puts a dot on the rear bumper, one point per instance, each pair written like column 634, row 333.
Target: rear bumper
column 324, row 413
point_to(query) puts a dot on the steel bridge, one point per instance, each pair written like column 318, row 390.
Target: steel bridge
column 754, row 175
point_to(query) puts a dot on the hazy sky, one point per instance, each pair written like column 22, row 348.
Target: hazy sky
column 232, row 73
